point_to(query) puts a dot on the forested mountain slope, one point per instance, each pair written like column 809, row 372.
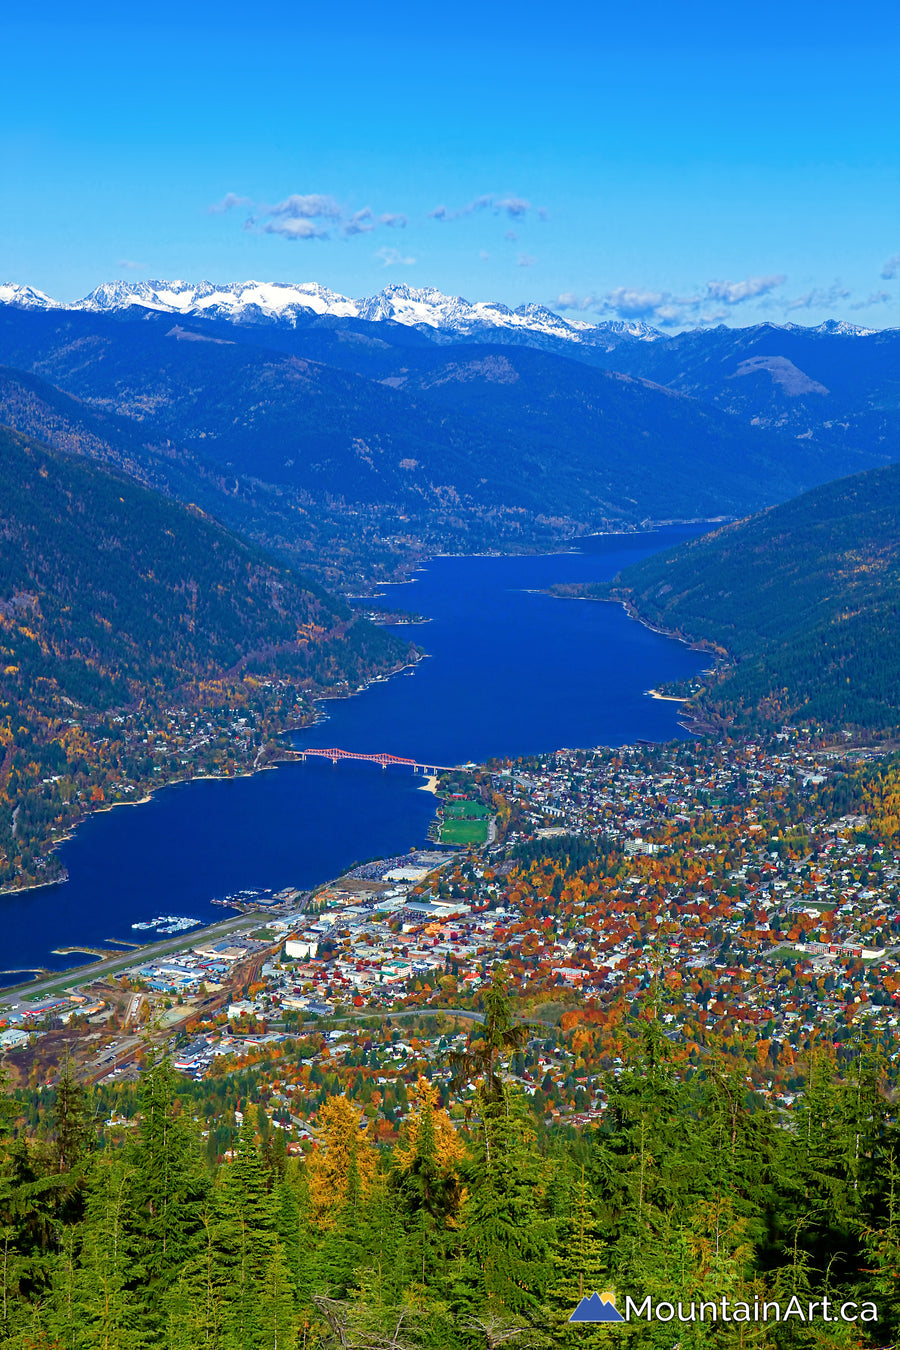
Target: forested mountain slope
column 117, row 605
column 415, row 431
column 275, row 518
column 805, row 598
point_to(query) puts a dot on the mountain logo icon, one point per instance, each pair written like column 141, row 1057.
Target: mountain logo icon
column 595, row 1308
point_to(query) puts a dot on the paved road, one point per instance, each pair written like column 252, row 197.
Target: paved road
column 365, row 1014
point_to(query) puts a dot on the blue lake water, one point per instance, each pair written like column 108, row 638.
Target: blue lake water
column 509, row 672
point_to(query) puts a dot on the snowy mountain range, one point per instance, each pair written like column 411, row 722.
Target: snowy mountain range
column 249, row 302
column 406, row 396
column 443, row 318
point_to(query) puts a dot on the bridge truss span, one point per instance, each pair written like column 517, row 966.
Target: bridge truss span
column 382, row 758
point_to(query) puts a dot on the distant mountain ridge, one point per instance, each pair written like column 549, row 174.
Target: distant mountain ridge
column 280, row 302
column 413, row 422
column 424, row 308
column 336, row 415
column 832, row 385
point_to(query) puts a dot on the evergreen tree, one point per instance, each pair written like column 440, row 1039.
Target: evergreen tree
column 194, row 1305
column 104, row 1312
column 497, row 1038
column 278, row 1321
column 427, row 1169
column 506, row 1234
column 881, row 1243
column 168, row 1189
column 71, row 1127
column 342, row 1253
column 242, row 1243
column 30, row 1205
column 579, row 1263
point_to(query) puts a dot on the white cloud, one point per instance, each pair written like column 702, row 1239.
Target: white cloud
column 315, row 215
column 526, row 260
column 666, row 310
column 891, row 267
column 228, row 202
column 308, row 215
column 817, row 297
column 635, row 304
column 733, row 292
column 569, row 300
column 359, row 223
column 290, row 229
column 876, row 298
column 478, row 204
column 128, row 266
column 514, row 207
column 628, row 303
column 300, row 216
column 305, row 206
column 392, row 257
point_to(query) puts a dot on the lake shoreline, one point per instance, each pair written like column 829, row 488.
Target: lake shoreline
column 281, row 755
column 488, row 691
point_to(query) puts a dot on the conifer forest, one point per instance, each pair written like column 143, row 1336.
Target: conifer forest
column 691, row 1190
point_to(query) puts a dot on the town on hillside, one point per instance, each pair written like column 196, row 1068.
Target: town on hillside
column 745, row 893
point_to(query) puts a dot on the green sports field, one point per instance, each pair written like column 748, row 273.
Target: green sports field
column 464, row 831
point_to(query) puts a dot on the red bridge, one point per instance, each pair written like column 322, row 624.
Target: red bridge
column 383, row 759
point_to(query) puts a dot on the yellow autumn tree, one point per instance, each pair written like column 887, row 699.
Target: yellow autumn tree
column 343, row 1145
column 426, row 1115
column 427, row 1161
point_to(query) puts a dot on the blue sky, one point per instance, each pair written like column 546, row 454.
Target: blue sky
column 680, row 163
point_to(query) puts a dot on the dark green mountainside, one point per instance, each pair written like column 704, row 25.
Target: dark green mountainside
column 124, row 619
column 805, row 598
column 315, row 539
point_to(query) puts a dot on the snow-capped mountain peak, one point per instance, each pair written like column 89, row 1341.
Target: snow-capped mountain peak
column 242, row 301
column 26, row 297
column 841, row 328
column 456, row 316
column 445, row 317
